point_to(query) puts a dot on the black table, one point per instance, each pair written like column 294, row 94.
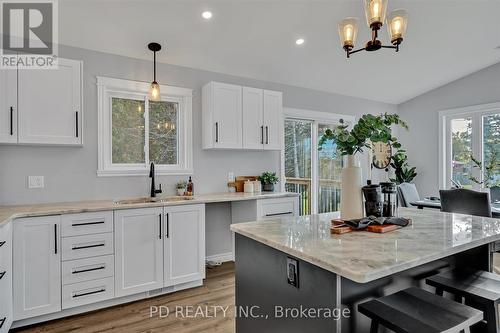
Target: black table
column 436, row 204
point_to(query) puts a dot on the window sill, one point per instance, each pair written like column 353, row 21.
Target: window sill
column 158, row 172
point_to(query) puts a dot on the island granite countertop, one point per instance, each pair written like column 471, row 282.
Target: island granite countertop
column 363, row 256
column 8, row 213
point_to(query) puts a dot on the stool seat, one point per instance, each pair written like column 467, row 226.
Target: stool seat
column 414, row 310
column 478, row 284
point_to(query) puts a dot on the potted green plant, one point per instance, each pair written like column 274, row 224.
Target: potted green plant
column 181, row 187
column 402, row 171
column 368, row 129
column 268, row 179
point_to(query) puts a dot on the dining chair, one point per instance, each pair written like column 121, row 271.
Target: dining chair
column 465, row 201
column 409, row 193
column 495, row 194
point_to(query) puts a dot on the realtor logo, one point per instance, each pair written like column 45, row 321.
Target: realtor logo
column 29, row 34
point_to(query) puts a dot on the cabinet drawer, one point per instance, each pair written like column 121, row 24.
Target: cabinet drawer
column 87, row 223
column 81, row 270
column 79, row 247
column 275, row 208
column 87, row 292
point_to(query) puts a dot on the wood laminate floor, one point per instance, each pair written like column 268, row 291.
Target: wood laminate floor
column 217, row 290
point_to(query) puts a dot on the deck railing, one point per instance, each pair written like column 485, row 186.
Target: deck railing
column 329, row 194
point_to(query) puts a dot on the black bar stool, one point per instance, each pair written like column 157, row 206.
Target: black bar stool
column 414, row 310
column 479, row 289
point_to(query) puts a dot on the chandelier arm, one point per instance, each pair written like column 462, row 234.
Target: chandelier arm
column 358, row 50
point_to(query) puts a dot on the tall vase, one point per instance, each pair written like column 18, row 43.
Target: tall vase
column 351, row 198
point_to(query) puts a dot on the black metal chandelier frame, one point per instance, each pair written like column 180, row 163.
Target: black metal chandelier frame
column 374, row 44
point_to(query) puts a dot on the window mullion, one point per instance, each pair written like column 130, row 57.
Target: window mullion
column 146, row 131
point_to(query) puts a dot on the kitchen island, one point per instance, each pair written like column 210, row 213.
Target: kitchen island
column 339, row 271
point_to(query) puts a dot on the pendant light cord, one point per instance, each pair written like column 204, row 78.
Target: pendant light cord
column 154, row 66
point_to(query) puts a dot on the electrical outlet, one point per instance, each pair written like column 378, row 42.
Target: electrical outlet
column 36, row 182
column 292, row 272
column 230, row 176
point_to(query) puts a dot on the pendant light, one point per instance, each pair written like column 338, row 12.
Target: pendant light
column 154, row 92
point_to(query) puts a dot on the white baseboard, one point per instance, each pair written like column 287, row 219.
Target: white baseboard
column 221, row 257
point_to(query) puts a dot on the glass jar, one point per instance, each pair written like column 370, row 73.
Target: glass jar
column 390, row 199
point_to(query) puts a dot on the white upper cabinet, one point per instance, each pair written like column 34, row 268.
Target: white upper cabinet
column 50, row 105
column 138, row 250
column 37, row 266
column 241, row 117
column 273, row 120
column 253, row 121
column 8, row 106
column 222, row 116
column 184, row 247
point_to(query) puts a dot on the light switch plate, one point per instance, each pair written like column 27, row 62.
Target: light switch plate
column 36, row 182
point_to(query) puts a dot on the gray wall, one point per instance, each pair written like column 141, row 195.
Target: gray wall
column 421, row 113
column 70, row 173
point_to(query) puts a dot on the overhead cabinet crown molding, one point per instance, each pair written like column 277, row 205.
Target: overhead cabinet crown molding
column 236, row 117
column 42, row 106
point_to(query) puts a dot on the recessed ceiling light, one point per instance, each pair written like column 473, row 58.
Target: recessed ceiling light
column 300, row 41
column 207, row 15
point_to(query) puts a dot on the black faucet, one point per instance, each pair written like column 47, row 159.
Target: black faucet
column 154, row 191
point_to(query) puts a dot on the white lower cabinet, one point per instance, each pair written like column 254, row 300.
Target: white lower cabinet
column 138, row 250
column 184, row 244
column 37, row 266
column 5, row 277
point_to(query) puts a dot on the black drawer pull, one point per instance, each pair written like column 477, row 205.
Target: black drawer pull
column 277, row 214
column 2, row 321
column 11, row 120
column 76, row 124
column 87, row 246
column 88, row 270
column 89, row 293
column 2, row 243
column 2, row 274
column 87, row 223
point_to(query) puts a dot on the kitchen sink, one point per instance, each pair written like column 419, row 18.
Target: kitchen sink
column 151, row 200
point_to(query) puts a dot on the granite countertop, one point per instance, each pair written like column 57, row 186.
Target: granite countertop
column 362, row 256
column 8, row 213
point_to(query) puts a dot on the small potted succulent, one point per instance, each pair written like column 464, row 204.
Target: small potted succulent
column 268, row 179
column 181, row 187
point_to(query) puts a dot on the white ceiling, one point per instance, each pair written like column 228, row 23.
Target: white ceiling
column 446, row 40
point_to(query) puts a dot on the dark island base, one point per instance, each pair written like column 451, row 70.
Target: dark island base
column 263, row 294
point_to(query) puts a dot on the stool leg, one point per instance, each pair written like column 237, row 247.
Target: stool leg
column 374, row 327
column 466, row 330
column 491, row 317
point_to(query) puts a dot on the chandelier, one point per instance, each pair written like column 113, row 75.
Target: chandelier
column 375, row 11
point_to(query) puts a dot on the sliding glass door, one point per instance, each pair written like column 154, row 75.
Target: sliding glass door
column 313, row 173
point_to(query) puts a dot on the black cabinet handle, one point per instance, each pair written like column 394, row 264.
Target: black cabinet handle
column 87, row 246
column 262, row 135
column 86, row 223
column 216, row 132
column 159, row 215
column 55, row 238
column 89, row 293
column 77, row 124
column 267, row 135
column 168, row 227
column 2, row 274
column 277, row 214
column 11, row 120
column 2, row 243
column 2, row 321
column 88, row 270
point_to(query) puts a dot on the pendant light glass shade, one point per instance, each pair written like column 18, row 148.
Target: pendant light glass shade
column 397, row 21
column 375, row 12
column 348, row 31
column 154, row 92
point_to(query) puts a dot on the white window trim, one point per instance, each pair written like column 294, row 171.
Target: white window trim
column 108, row 87
column 476, row 112
column 315, row 117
